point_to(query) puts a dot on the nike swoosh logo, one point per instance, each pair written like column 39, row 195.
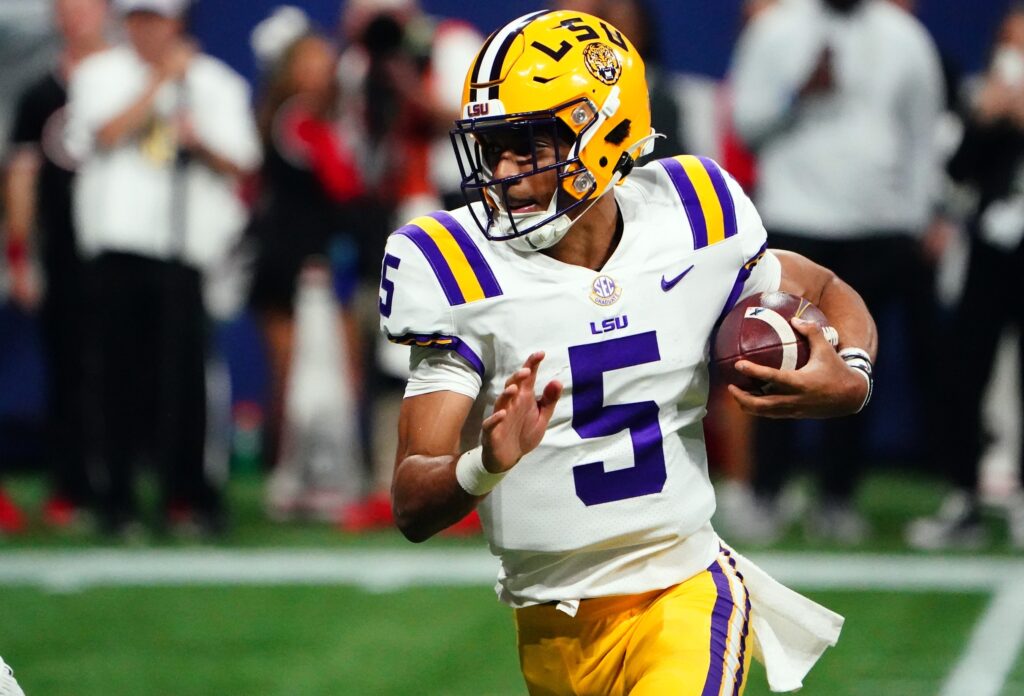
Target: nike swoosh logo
column 667, row 285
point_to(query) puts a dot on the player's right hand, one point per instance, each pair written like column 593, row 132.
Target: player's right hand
column 519, row 419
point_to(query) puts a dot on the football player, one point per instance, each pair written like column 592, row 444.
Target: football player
column 560, row 325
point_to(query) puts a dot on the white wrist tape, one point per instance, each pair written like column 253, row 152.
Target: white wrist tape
column 471, row 474
column 859, row 361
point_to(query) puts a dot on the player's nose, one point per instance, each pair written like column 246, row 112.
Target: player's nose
column 510, row 164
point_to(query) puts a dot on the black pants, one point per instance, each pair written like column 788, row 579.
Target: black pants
column 70, row 403
column 989, row 303
column 152, row 347
column 884, row 269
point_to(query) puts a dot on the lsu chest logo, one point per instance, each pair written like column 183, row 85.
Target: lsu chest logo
column 604, row 291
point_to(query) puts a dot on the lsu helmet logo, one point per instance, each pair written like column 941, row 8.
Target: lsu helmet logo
column 491, row 107
column 602, row 63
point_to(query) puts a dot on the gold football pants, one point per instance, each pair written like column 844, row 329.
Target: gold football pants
column 690, row 639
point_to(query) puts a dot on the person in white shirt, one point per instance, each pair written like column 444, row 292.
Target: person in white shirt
column 840, row 100
column 162, row 133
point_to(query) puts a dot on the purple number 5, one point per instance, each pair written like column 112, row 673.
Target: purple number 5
column 591, row 418
column 386, row 284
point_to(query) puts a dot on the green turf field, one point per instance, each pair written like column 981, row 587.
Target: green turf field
column 313, row 639
column 331, row 640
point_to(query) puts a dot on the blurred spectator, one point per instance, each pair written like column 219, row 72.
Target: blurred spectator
column 839, row 100
column 402, row 77
column 728, row 430
column 162, row 132
column 737, row 158
column 38, row 204
column 990, row 161
column 306, row 208
column 637, row 20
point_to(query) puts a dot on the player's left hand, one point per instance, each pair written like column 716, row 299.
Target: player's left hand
column 823, row 388
column 520, row 418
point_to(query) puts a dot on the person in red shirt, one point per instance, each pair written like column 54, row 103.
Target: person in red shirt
column 305, row 209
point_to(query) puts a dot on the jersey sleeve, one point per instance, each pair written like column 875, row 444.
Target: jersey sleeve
column 419, row 291
column 435, row 370
column 721, row 215
column 760, row 270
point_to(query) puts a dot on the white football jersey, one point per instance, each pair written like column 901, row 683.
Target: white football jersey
column 616, row 499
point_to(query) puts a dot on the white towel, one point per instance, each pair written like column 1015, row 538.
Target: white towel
column 790, row 631
column 8, row 685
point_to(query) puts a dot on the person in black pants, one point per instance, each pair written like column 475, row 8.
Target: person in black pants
column 842, row 116
column 153, row 347
column 38, row 200
column 163, row 133
column 990, row 160
column 888, row 269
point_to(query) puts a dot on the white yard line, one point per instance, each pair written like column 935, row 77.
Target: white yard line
column 981, row 670
column 993, row 648
column 390, row 569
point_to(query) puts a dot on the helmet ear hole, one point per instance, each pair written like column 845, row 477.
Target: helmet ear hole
column 618, row 134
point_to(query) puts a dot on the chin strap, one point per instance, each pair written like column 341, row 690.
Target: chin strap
column 622, row 169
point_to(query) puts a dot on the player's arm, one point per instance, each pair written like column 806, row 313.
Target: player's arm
column 827, row 385
column 425, row 494
column 436, row 485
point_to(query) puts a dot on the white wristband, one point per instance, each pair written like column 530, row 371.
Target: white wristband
column 859, row 361
column 471, row 474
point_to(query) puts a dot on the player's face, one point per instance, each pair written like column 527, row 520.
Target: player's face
column 513, row 152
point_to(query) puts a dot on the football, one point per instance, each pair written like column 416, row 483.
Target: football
column 758, row 329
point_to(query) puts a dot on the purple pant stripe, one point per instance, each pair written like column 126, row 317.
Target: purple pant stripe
column 691, row 204
column 436, row 260
column 450, row 343
column 724, row 197
column 746, row 633
column 746, row 621
column 719, row 631
column 482, row 269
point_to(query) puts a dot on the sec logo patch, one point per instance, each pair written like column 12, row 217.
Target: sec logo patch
column 604, row 291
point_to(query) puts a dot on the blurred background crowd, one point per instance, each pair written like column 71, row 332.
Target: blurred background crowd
column 196, row 199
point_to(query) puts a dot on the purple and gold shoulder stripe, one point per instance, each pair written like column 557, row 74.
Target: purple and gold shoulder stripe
column 441, row 342
column 705, row 195
column 460, row 266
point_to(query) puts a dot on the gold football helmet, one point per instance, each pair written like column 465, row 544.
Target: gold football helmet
column 567, row 74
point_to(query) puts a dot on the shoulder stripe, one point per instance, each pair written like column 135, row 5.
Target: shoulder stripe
column 688, row 195
column 724, row 196
column 441, row 342
column 482, row 269
column 705, row 196
column 460, row 267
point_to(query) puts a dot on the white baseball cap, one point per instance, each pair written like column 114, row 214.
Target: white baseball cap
column 166, row 8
